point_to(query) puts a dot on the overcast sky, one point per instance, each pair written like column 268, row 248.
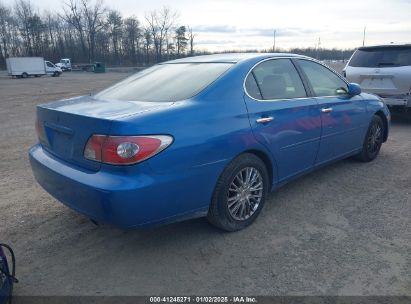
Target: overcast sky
column 241, row 24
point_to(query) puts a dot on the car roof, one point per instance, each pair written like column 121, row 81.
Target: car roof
column 230, row 57
column 384, row 46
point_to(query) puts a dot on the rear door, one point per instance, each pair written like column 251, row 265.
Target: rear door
column 282, row 116
column 344, row 118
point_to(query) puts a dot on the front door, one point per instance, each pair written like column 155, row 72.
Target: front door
column 342, row 116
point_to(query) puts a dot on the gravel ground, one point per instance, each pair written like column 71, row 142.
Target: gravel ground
column 342, row 230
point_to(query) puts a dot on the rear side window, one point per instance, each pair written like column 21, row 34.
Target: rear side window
column 166, row 82
column 275, row 79
column 323, row 81
column 380, row 57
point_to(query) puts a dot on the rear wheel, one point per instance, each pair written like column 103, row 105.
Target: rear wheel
column 373, row 140
column 240, row 193
column 24, row 75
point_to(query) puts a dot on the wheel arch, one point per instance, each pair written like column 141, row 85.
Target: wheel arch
column 268, row 162
column 381, row 114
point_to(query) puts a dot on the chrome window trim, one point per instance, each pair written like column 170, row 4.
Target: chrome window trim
column 297, row 98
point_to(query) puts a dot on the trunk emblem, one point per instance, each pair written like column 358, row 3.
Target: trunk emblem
column 377, row 71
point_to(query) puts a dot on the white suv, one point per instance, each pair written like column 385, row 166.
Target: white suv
column 383, row 70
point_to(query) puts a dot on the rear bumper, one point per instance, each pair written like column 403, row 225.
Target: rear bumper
column 397, row 102
column 125, row 200
column 402, row 101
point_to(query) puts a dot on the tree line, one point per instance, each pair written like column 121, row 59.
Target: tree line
column 314, row 52
column 88, row 31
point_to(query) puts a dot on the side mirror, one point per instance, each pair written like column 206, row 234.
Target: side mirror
column 354, row 89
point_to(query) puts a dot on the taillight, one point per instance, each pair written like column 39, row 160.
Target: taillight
column 40, row 132
column 125, row 150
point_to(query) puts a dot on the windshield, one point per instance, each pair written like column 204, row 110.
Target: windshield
column 166, row 82
column 381, row 57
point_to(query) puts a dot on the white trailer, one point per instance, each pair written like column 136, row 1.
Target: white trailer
column 23, row 67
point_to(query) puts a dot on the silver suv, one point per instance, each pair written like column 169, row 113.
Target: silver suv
column 383, row 70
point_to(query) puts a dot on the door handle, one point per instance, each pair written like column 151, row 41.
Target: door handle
column 263, row 120
column 326, row 110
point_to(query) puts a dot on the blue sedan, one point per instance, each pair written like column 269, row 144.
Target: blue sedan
column 202, row 136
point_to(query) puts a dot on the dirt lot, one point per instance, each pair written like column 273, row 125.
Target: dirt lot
column 342, row 230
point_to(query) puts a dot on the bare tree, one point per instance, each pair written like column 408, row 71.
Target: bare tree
column 132, row 36
column 159, row 24
column 115, row 27
column 87, row 30
column 37, row 30
column 55, row 35
column 191, row 37
column 74, row 16
column 24, row 14
column 6, row 23
column 147, row 44
column 94, row 16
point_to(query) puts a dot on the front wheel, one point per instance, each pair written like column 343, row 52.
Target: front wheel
column 240, row 193
column 373, row 140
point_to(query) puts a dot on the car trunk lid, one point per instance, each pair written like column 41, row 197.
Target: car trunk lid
column 69, row 123
column 386, row 80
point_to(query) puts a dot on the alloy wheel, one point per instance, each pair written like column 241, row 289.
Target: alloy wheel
column 374, row 138
column 245, row 193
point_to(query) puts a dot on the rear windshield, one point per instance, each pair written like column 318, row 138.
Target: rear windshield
column 380, row 57
column 166, row 82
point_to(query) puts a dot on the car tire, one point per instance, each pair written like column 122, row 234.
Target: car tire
column 373, row 140
column 24, row 75
column 240, row 193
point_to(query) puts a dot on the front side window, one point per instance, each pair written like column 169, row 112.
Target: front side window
column 323, row 81
column 275, row 79
column 166, row 82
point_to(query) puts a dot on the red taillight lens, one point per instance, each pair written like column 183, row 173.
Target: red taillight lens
column 125, row 150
